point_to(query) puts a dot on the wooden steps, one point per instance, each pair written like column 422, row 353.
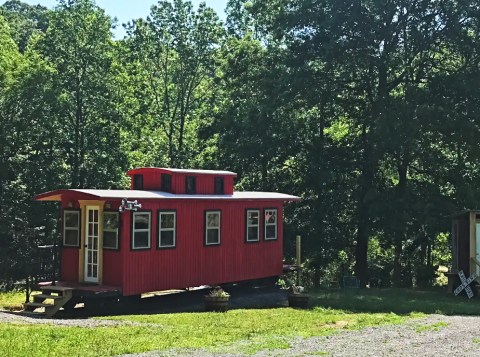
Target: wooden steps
column 59, row 295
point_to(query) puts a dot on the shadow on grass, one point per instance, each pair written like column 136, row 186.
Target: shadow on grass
column 398, row 301
column 241, row 297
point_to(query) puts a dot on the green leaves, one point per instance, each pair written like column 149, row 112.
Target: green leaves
column 174, row 62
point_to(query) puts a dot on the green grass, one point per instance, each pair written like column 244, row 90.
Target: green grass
column 399, row 301
column 12, row 300
column 433, row 327
column 248, row 330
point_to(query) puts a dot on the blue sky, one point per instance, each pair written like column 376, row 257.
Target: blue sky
column 125, row 10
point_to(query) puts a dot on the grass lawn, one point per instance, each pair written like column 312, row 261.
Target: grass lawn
column 12, row 300
column 261, row 329
column 245, row 330
column 398, row 301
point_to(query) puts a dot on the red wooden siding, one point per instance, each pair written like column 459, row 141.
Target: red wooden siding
column 191, row 263
column 69, row 264
column 112, row 267
column 205, row 183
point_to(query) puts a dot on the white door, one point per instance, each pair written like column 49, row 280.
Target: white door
column 477, row 245
column 91, row 245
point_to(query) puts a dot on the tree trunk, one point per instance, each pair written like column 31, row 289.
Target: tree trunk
column 400, row 221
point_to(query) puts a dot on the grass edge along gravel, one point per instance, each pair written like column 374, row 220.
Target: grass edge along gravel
column 257, row 330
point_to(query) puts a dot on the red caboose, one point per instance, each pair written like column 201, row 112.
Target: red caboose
column 192, row 229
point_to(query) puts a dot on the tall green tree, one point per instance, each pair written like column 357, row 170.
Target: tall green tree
column 24, row 20
column 173, row 66
column 78, row 45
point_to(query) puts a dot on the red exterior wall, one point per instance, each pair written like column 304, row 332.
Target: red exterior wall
column 68, row 255
column 204, row 182
column 69, row 264
column 190, row 263
column 193, row 264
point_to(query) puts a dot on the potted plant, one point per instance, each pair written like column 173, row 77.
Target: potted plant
column 217, row 300
column 297, row 297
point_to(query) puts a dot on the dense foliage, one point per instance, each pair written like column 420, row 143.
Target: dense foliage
column 369, row 110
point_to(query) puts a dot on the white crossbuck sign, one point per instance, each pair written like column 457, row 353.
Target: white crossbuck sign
column 464, row 284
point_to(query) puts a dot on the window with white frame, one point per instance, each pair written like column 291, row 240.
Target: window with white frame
column 271, row 224
column 71, row 228
column 141, row 230
column 167, row 226
column 253, row 225
column 110, row 230
column 212, row 227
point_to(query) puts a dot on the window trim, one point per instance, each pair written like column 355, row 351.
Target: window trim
column 132, row 224
column 205, row 230
column 135, row 176
column 194, row 191
column 265, row 225
column 219, row 179
column 79, row 229
column 118, row 229
column 159, row 228
column 247, row 210
column 162, row 183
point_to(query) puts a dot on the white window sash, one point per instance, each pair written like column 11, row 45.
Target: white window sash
column 76, row 229
column 135, row 214
column 254, row 225
column 167, row 229
column 207, row 227
column 110, row 230
column 271, row 224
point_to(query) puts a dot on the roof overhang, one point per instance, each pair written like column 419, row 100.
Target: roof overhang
column 58, row 195
column 142, row 170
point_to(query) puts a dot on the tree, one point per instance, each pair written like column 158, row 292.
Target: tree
column 24, row 21
column 78, row 45
column 173, row 65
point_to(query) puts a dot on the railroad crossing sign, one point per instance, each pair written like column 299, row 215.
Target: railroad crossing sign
column 465, row 284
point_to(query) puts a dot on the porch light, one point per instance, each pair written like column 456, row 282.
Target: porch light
column 129, row 205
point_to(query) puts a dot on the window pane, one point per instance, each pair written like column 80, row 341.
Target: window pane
column 110, row 240
column 219, row 186
column 212, row 236
column 252, row 233
column 190, row 184
column 166, row 239
column 213, row 220
column 110, row 220
column 71, row 237
column 140, row 240
column 71, row 219
column 138, row 182
column 167, row 220
column 142, row 221
column 166, row 182
column 270, row 232
column 252, row 218
column 270, row 216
